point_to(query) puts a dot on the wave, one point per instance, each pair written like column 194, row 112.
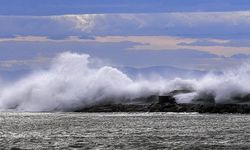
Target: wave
column 72, row 82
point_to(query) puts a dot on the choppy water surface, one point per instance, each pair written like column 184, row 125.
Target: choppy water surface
column 123, row 131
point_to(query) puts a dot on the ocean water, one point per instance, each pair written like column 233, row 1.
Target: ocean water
column 123, row 131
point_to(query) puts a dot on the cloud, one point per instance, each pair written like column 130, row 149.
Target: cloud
column 206, row 42
column 25, row 63
column 223, row 25
column 168, row 43
column 178, row 39
column 150, row 43
column 84, row 23
column 116, row 53
column 54, row 27
column 195, row 24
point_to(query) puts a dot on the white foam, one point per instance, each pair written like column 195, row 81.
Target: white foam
column 70, row 82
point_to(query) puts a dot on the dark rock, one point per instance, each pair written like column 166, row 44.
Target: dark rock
column 15, row 148
column 241, row 98
column 146, row 100
column 159, row 107
column 115, row 108
column 167, row 99
column 167, row 103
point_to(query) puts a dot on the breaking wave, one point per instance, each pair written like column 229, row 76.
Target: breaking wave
column 70, row 82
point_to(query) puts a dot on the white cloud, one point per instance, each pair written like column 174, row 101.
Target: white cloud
column 84, row 23
column 34, row 62
column 191, row 24
column 166, row 43
column 156, row 31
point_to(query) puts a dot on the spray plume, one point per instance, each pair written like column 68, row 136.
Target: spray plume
column 70, row 83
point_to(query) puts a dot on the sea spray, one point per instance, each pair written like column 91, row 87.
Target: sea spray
column 222, row 88
column 70, row 83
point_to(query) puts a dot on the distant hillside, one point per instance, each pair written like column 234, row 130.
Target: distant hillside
column 164, row 71
column 132, row 72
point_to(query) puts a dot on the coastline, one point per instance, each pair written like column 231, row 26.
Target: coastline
column 169, row 107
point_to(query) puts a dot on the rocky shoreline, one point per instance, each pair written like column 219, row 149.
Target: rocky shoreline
column 168, row 103
column 200, row 108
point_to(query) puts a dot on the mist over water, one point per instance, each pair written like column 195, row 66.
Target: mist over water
column 72, row 82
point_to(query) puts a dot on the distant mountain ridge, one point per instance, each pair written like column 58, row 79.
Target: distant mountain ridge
column 164, row 71
column 132, row 72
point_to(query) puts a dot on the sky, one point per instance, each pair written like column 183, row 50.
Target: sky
column 190, row 34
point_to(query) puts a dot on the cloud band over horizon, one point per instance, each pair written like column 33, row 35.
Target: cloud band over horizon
column 192, row 34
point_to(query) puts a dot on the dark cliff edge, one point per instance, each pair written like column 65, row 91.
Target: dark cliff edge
column 167, row 103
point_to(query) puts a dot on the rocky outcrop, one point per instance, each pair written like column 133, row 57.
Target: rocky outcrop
column 167, row 103
column 203, row 108
column 115, row 108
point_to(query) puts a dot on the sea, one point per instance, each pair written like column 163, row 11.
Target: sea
column 142, row 131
